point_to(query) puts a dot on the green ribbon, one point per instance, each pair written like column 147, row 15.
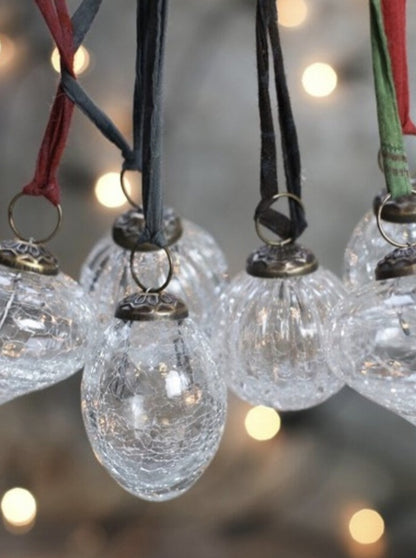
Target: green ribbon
column 392, row 150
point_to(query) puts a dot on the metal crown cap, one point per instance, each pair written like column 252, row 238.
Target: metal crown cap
column 400, row 210
column 273, row 262
column 146, row 307
column 398, row 263
column 128, row 227
column 28, row 256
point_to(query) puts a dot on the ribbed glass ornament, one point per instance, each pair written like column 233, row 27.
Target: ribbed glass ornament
column 46, row 323
column 272, row 339
column 200, row 273
column 154, row 405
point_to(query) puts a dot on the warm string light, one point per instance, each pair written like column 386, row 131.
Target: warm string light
column 19, row 509
column 366, row 526
column 319, row 79
column 262, row 423
column 81, row 60
column 292, row 13
column 108, row 190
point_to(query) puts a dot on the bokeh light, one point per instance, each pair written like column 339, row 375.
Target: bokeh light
column 366, row 526
column 319, row 79
column 7, row 50
column 292, row 13
column 81, row 60
column 108, row 190
column 262, row 423
column 19, row 509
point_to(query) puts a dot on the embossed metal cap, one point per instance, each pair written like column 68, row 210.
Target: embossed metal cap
column 398, row 263
column 146, row 307
column 400, row 210
column 273, row 262
column 128, row 227
column 28, row 256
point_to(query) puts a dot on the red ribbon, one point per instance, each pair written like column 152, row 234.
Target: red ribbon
column 394, row 16
column 44, row 182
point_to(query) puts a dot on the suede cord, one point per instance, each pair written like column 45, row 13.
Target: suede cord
column 68, row 35
column 267, row 31
column 44, row 182
column 394, row 17
column 393, row 154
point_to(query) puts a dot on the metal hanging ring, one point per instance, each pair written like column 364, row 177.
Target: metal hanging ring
column 125, row 192
column 266, row 204
column 380, row 226
column 136, row 278
column 16, row 231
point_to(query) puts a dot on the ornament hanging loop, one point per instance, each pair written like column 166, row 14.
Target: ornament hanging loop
column 264, row 205
column 16, row 231
column 137, row 279
column 383, row 233
column 125, row 192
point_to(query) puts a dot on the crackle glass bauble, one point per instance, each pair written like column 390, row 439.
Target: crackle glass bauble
column 46, row 323
column 372, row 343
column 200, row 271
column 154, row 404
column 367, row 246
column 272, row 332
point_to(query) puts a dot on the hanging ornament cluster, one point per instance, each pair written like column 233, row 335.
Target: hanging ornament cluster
column 372, row 339
column 274, row 315
column 285, row 333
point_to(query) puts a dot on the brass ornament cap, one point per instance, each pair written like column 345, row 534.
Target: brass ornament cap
column 129, row 226
column 398, row 263
column 277, row 262
column 400, row 210
column 28, row 256
column 146, row 307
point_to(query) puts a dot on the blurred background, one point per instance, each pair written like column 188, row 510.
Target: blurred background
column 337, row 481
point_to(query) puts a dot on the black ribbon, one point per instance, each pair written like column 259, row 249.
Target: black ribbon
column 267, row 31
column 147, row 112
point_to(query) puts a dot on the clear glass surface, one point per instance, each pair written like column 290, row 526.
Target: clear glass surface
column 271, row 339
column 154, row 406
column 367, row 247
column 200, row 274
column 45, row 327
column 372, row 343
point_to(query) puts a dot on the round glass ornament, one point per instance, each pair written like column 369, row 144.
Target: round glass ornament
column 366, row 246
column 372, row 341
column 200, row 269
column 153, row 401
column 272, row 329
column 46, row 320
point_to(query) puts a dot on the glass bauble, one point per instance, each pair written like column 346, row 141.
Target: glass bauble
column 154, row 405
column 200, row 273
column 46, row 323
column 272, row 335
column 367, row 246
column 372, row 343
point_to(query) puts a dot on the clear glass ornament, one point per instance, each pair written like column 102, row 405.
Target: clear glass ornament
column 154, row 404
column 372, row 341
column 46, row 323
column 200, row 273
column 366, row 246
column 272, row 335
